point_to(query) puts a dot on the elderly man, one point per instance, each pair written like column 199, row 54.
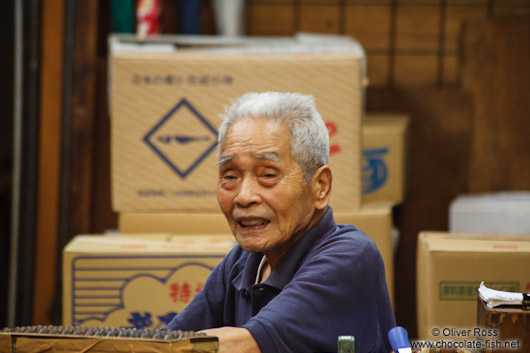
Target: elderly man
column 296, row 280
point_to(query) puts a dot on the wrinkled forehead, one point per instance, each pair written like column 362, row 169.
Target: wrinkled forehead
column 257, row 134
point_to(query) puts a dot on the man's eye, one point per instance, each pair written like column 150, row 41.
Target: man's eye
column 229, row 177
column 269, row 176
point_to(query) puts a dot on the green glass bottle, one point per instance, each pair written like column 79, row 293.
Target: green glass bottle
column 346, row 344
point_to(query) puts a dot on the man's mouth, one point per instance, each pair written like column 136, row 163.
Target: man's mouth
column 255, row 223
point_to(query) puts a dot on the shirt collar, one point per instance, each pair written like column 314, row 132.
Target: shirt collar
column 289, row 264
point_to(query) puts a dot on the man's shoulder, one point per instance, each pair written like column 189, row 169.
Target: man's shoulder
column 339, row 234
column 349, row 238
column 350, row 233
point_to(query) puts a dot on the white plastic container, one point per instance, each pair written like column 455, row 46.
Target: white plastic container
column 501, row 212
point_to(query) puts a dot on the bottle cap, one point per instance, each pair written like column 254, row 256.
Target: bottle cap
column 398, row 338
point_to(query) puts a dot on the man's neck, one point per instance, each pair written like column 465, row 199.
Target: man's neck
column 264, row 271
column 274, row 257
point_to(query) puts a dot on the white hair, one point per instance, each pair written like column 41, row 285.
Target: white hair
column 309, row 135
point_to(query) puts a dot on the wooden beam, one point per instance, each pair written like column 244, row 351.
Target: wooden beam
column 79, row 155
column 82, row 110
column 49, row 158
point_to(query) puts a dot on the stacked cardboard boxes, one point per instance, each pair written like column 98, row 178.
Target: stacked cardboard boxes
column 166, row 98
column 166, row 106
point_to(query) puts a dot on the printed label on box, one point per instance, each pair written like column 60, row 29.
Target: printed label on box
column 135, row 291
column 183, row 138
column 375, row 170
column 468, row 291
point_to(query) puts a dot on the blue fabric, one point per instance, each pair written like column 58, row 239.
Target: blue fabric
column 330, row 283
column 190, row 16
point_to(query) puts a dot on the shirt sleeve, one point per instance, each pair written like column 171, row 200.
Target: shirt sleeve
column 340, row 289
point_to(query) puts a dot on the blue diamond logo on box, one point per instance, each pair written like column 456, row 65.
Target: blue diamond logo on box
column 183, row 138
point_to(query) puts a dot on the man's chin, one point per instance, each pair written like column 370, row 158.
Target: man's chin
column 250, row 245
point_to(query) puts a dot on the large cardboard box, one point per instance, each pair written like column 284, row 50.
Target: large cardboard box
column 384, row 157
column 450, row 268
column 136, row 281
column 178, row 223
column 165, row 103
column 376, row 222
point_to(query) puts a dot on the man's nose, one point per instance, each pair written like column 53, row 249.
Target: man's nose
column 248, row 193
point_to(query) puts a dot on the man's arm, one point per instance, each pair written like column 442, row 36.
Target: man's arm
column 234, row 339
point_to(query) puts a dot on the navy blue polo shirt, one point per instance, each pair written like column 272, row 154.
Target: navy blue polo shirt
column 331, row 282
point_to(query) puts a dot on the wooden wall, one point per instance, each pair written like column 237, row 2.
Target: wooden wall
column 407, row 42
column 469, row 131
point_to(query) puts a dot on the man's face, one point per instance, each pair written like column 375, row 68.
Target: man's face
column 260, row 188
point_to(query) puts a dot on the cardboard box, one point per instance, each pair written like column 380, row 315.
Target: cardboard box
column 136, row 281
column 450, row 268
column 376, row 222
column 178, row 223
column 384, row 158
column 166, row 101
column 28, row 343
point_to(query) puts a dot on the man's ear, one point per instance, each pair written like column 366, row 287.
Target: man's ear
column 321, row 186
